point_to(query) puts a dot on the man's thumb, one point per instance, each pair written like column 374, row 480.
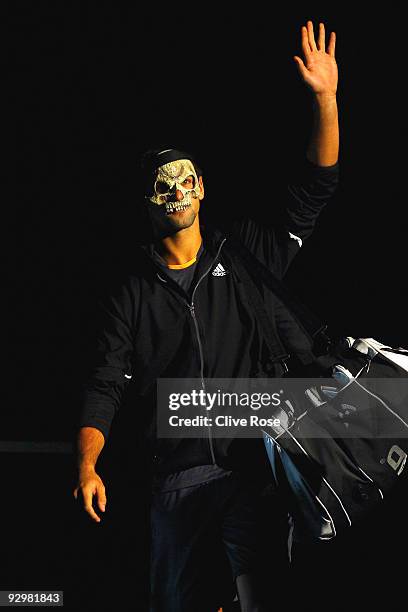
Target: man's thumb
column 300, row 65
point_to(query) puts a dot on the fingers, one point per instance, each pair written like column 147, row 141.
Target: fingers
column 88, row 491
column 88, row 494
column 309, row 43
column 310, row 35
column 305, row 42
column 322, row 34
column 100, row 491
column 332, row 44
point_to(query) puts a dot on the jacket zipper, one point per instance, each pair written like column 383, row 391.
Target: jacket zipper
column 200, row 346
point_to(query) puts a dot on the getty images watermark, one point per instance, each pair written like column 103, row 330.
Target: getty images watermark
column 218, row 401
column 245, row 407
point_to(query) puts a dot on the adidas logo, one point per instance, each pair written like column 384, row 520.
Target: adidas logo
column 219, row 270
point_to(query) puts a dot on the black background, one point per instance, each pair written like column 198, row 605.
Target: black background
column 86, row 87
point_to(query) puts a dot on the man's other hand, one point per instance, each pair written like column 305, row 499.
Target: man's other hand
column 90, row 484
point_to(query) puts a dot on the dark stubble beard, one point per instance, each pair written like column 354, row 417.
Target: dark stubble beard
column 181, row 220
column 165, row 225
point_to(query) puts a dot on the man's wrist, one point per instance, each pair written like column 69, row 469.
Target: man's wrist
column 325, row 98
column 86, row 466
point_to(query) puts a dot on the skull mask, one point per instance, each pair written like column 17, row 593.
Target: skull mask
column 170, row 177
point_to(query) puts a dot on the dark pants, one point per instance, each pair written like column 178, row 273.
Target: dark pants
column 203, row 537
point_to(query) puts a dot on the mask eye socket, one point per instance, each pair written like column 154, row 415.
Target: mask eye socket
column 189, row 182
column 161, row 187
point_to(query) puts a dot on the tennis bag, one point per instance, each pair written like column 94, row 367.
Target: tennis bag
column 341, row 448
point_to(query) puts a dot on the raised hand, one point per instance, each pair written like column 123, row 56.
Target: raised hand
column 319, row 69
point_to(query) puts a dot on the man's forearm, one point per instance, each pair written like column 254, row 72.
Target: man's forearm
column 323, row 149
column 90, row 442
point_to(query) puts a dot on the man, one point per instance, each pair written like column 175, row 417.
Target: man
column 187, row 314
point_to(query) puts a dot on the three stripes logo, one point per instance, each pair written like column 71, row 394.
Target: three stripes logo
column 219, row 270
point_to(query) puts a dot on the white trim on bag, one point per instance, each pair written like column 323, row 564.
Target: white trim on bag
column 367, row 476
column 330, row 519
column 382, row 402
column 324, row 480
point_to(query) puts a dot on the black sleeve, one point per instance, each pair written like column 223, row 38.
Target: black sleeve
column 112, row 361
column 277, row 245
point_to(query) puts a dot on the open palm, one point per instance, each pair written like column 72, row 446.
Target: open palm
column 319, row 70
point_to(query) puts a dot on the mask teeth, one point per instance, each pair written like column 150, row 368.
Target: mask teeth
column 171, row 206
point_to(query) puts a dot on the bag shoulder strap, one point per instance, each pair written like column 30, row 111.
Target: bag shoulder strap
column 268, row 325
column 308, row 322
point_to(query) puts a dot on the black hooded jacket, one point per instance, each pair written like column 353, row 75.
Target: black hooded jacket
column 152, row 328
